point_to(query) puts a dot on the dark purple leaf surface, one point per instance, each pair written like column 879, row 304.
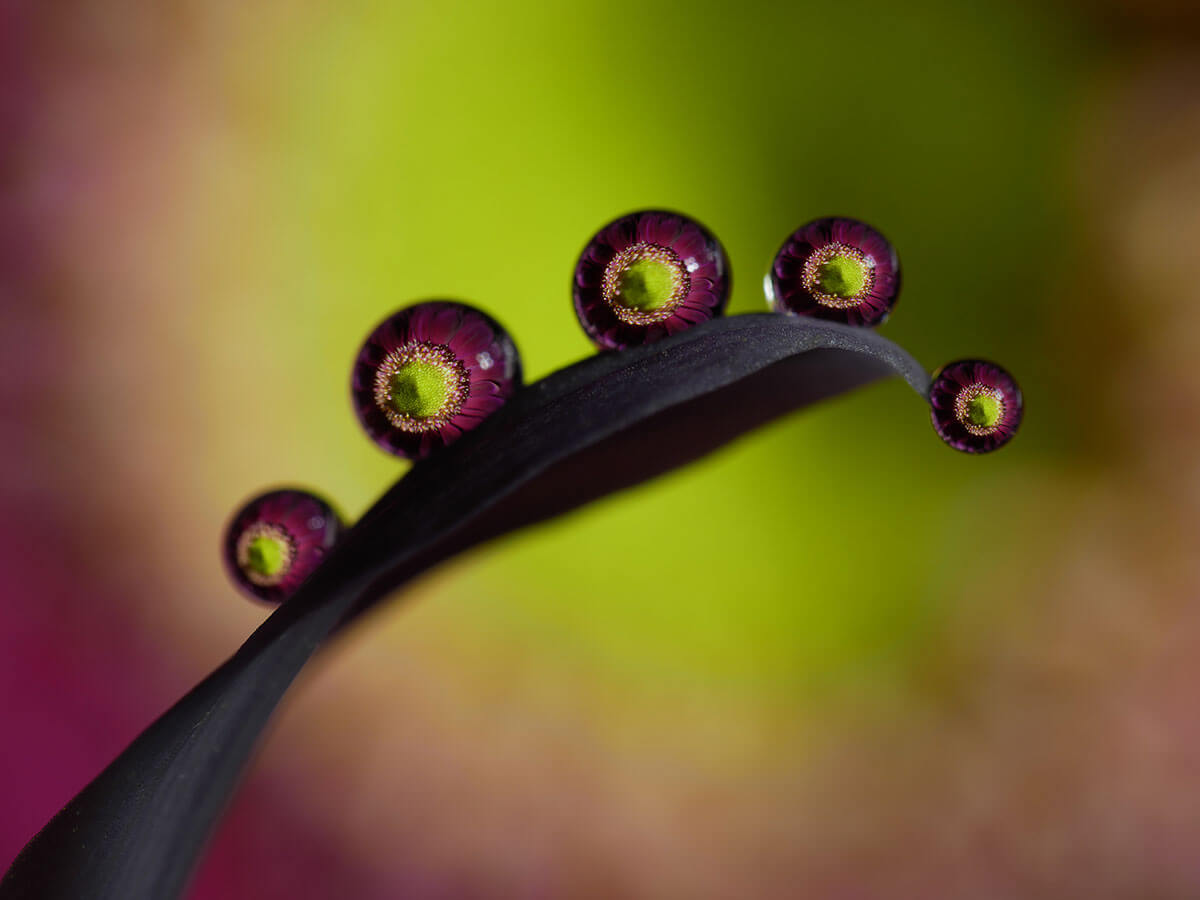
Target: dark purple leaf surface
column 606, row 423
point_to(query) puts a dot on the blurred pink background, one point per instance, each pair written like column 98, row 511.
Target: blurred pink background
column 175, row 258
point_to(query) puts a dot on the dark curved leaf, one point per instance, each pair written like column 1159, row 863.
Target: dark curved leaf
column 603, row 424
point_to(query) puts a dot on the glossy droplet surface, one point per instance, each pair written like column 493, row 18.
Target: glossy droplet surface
column 429, row 373
column 647, row 275
column 838, row 269
column 975, row 405
column 276, row 540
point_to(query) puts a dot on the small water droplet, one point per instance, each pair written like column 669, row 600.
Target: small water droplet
column 485, row 361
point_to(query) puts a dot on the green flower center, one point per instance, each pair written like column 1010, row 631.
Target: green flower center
column 839, row 276
column 980, row 409
column 645, row 283
column 421, row 386
column 842, row 276
column 984, row 411
column 419, row 389
column 266, row 555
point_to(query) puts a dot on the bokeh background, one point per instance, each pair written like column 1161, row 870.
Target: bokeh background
column 835, row 660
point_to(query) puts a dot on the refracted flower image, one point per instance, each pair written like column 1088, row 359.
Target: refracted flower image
column 277, row 539
column 647, row 275
column 431, row 372
column 976, row 405
column 838, row 269
column 208, row 206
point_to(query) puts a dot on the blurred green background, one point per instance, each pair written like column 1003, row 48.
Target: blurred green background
column 386, row 154
column 834, row 654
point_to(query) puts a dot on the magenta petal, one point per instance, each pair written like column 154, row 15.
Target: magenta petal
column 691, row 246
column 614, row 238
column 691, row 315
column 658, row 228
column 472, row 338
